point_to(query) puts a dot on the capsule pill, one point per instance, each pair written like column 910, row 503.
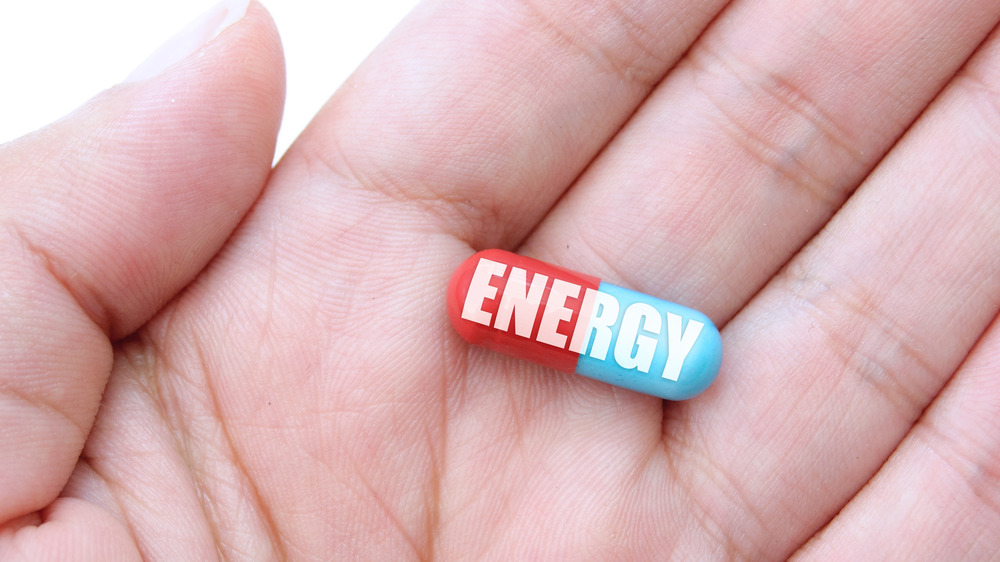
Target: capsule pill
column 576, row 323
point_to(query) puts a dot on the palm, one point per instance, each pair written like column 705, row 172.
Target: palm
column 305, row 396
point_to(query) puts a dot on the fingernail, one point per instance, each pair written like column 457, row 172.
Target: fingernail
column 190, row 39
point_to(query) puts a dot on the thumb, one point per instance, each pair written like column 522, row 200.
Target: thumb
column 107, row 214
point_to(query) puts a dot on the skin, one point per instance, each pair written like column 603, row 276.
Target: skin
column 204, row 358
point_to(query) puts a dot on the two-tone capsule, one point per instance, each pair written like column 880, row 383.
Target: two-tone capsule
column 572, row 322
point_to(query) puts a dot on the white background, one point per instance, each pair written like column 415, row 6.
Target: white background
column 56, row 54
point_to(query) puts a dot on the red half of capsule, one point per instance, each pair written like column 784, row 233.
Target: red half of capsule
column 523, row 281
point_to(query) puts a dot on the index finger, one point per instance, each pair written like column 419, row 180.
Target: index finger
column 483, row 113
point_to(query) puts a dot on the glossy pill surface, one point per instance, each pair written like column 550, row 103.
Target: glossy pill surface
column 576, row 323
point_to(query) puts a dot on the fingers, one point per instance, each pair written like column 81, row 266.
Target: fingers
column 743, row 153
column 104, row 216
column 830, row 366
column 937, row 497
column 477, row 116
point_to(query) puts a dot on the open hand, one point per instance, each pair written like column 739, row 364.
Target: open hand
column 203, row 358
